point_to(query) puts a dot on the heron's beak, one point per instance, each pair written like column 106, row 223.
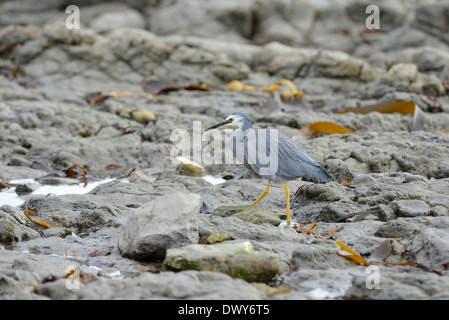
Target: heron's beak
column 217, row 125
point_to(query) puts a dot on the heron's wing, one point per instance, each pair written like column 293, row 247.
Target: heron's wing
column 294, row 161
column 274, row 156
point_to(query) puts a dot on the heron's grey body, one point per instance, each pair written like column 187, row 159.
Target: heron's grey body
column 289, row 159
column 271, row 155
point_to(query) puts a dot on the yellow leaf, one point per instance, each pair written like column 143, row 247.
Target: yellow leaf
column 347, row 252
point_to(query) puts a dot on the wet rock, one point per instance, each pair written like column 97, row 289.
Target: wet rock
column 23, row 189
column 236, row 259
column 159, row 225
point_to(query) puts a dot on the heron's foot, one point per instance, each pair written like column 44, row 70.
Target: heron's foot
column 264, row 194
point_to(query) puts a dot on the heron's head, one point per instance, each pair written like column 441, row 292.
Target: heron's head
column 235, row 120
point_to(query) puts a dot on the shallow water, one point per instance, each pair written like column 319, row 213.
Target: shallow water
column 10, row 197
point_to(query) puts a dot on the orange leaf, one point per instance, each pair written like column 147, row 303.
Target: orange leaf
column 39, row 220
column 404, row 107
column 307, row 229
column 310, row 130
column 347, row 252
column 75, row 171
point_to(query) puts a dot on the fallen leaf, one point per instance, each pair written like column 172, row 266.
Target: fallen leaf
column 312, row 129
column 382, row 252
column 75, row 171
column 306, row 229
column 404, row 107
column 47, row 223
column 85, row 134
column 4, row 185
column 19, row 76
column 81, row 276
column 157, row 87
column 112, row 166
column 347, row 252
column 329, row 235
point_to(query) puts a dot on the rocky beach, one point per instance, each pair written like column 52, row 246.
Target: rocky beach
column 98, row 106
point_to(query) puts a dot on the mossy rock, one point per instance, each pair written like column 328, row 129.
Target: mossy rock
column 235, row 258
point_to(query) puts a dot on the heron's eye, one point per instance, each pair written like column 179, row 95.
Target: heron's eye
column 229, row 120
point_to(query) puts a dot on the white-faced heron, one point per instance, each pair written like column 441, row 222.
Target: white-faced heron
column 271, row 155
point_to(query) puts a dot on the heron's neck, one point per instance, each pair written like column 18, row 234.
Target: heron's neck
column 246, row 126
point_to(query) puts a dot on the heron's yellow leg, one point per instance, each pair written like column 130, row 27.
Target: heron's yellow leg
column 264, row 194
column 287, row 196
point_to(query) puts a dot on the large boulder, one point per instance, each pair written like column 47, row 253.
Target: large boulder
column 166, row 222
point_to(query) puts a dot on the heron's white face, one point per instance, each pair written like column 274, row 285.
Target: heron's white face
column 234, row 121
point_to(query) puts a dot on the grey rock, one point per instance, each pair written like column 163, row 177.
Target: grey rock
column 236, row 228
column 123, row 19
column 158, row 226
column 195, row 285
column 398, row 286
column 13, row 226
column 320, row 255
column 410, row 208
column 250, row 214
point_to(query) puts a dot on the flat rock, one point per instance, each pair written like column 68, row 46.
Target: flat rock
column 250, row 213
